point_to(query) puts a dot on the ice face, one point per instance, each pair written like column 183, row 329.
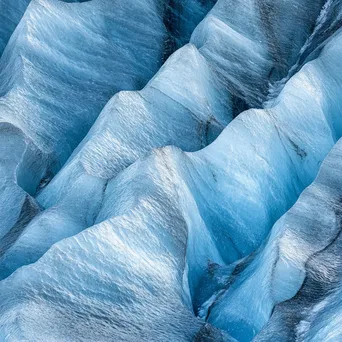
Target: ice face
column 261, row 42
column 53, row 88
column 40, row 60
column 141, row 290
column 170, row 245
column 168, row 221
column 300, row 261
column 328, row 22
column 11, row 13
column 103, row 53
column 186, row 104
column 131, row 124
column 62, row 64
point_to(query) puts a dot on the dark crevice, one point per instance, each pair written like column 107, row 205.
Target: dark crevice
column 267, row 14
column 174, row 18
column 239, row 105
column 327, row 24
column 238, row 269
column 302, row 153
column 44, row 182
column 171, row 21
column 208, row 333
column 28, row 211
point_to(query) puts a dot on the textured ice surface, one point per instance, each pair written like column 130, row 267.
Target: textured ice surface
column 131, row 124
column 11, row 12
column 175, row 244
column 62, row 64
column 300, row 255
column 168, row 221
column 305, row 252
column 187, row 104
column 327, row 23
column 74, row 77
column 123, row 277
column 261, row 41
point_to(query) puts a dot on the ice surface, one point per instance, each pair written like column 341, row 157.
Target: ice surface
column 11, row 12
column 121, row 243
column 301, row 260
column 327, row 24
column 123, row 277
column 254, row 42
column 169, row 221
column 131, row 124
column 74, row 77
column 62, row 64
column 187, row 104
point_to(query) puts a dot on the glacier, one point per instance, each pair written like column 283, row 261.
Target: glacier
column 111, row 145
column 50, row 109
column 170, row 170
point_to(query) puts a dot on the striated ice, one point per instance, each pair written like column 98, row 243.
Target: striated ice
column 187, row 104
column 168, row 221
column 168, row 178
column 62, row 64
column 11, row 11
column 254, row 43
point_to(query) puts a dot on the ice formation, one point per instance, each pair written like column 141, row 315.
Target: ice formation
column 170, row 170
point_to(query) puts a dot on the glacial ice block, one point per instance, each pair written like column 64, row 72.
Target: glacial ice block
column 310, row 244
column 121, row 279
column 63, row 62
column 66, row 59
column 165, row 234
column 96, row 160
column 132, row 124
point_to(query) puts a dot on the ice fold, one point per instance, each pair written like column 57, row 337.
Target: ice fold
column 294, row 277
column 187, row 104
column 168, row 245
column 63, row 62
column 173, row 218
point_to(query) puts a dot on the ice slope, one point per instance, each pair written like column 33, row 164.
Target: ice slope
column 255, row 42
column 75, row 56
column 129, row 145
column 314, row 314
column 162, row 113
column 120, row 280
column 295, row 257
column 327, row 24
column 218, row 43
column 63, row 62
column 61, row 65
column 11, row 12
column 170, row 220
column 179, row 16
column 184, row 105
column 305, row 251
